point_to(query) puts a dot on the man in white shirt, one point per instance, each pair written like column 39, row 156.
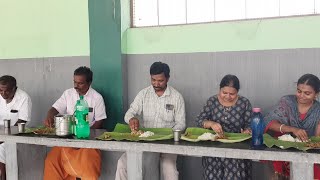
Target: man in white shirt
column 15, row 105
column 64, row 163
column 157, row 106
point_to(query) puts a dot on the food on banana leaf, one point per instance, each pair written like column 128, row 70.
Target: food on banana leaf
column 221, row 136
column 106, row 136
column 208, row 136
column 313, row 144
column 136, row 132
column 270, row 141
column 288, row 137
column 147, row 134
column 192, row 134
column 187, row 134
column 123, row 132
column 44, row 130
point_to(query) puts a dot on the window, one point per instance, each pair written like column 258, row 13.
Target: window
column 296, row 7
column 145, row 13
column 230, row 9
column 172, row 12
column 262, row 8
column 317, row 6
column 168, row 12
column 200, row 12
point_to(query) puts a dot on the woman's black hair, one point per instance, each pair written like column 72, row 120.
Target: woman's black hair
column 230, row 81
column 311, row 80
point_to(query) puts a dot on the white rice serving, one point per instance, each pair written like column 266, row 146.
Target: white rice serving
column 147, row 134
column 207, row 136
column 297, row 140
column 288, row 137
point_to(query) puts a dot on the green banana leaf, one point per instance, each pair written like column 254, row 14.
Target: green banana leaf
column 123, row 132
column 271, row 141
column 29, row 130
column 191, row 134
column 41, row 130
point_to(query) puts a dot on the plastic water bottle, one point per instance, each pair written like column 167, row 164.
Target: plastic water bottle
column 82, row 123
column 257, row 127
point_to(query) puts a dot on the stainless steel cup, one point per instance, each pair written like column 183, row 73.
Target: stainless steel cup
column 176, row 135
column 21, row 127
column 6, row 123
column 7, row 131
column 63, row 124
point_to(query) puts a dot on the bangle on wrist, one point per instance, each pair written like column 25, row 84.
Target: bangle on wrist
column 281, row 128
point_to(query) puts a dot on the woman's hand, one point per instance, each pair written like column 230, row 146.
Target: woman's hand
column 216, row 127
column 301, row 134
column 318, row 130
column 246, row 131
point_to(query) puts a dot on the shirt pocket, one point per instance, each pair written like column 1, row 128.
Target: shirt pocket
column 168, row 113
column 91, row 114
column 14, row 117
column 170, row 116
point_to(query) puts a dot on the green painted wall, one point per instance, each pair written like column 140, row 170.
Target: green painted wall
column 125, row 22
column 281, row 33
column 43, row 28
column 105, row 55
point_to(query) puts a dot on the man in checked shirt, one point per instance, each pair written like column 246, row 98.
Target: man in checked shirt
column 157, row 106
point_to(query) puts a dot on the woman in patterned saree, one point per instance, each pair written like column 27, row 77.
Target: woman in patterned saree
column 226, row 112
column 297, row 114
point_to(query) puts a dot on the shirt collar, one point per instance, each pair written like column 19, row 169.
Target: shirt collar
column 167, row 92
column 15, row 96
column 87, row 93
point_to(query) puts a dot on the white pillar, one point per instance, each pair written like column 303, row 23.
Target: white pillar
column 134, row 165
column 11, row 160
column 301, row 171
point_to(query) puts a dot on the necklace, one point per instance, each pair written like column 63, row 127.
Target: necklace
column 226, row 109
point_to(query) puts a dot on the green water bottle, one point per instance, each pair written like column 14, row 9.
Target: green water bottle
column 82, row 122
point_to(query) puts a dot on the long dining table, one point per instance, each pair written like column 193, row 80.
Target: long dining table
column 301, row 162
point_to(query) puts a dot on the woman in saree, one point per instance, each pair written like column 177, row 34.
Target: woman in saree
column 298, row 115
column 226, row 112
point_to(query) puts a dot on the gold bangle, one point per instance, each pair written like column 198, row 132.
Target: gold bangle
column 281, row 128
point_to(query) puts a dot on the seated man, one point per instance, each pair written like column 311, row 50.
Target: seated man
column 69, row 163
column 15, row 105
column 161, row 106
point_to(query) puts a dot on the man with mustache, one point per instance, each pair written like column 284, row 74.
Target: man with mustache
column 15, row 104
column 69, row 163
column 157, row 106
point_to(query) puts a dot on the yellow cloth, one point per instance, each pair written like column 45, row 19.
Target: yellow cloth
column 64, row 163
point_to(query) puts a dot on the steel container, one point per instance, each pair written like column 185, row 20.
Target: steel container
column 176, row 135
column 63, row 124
